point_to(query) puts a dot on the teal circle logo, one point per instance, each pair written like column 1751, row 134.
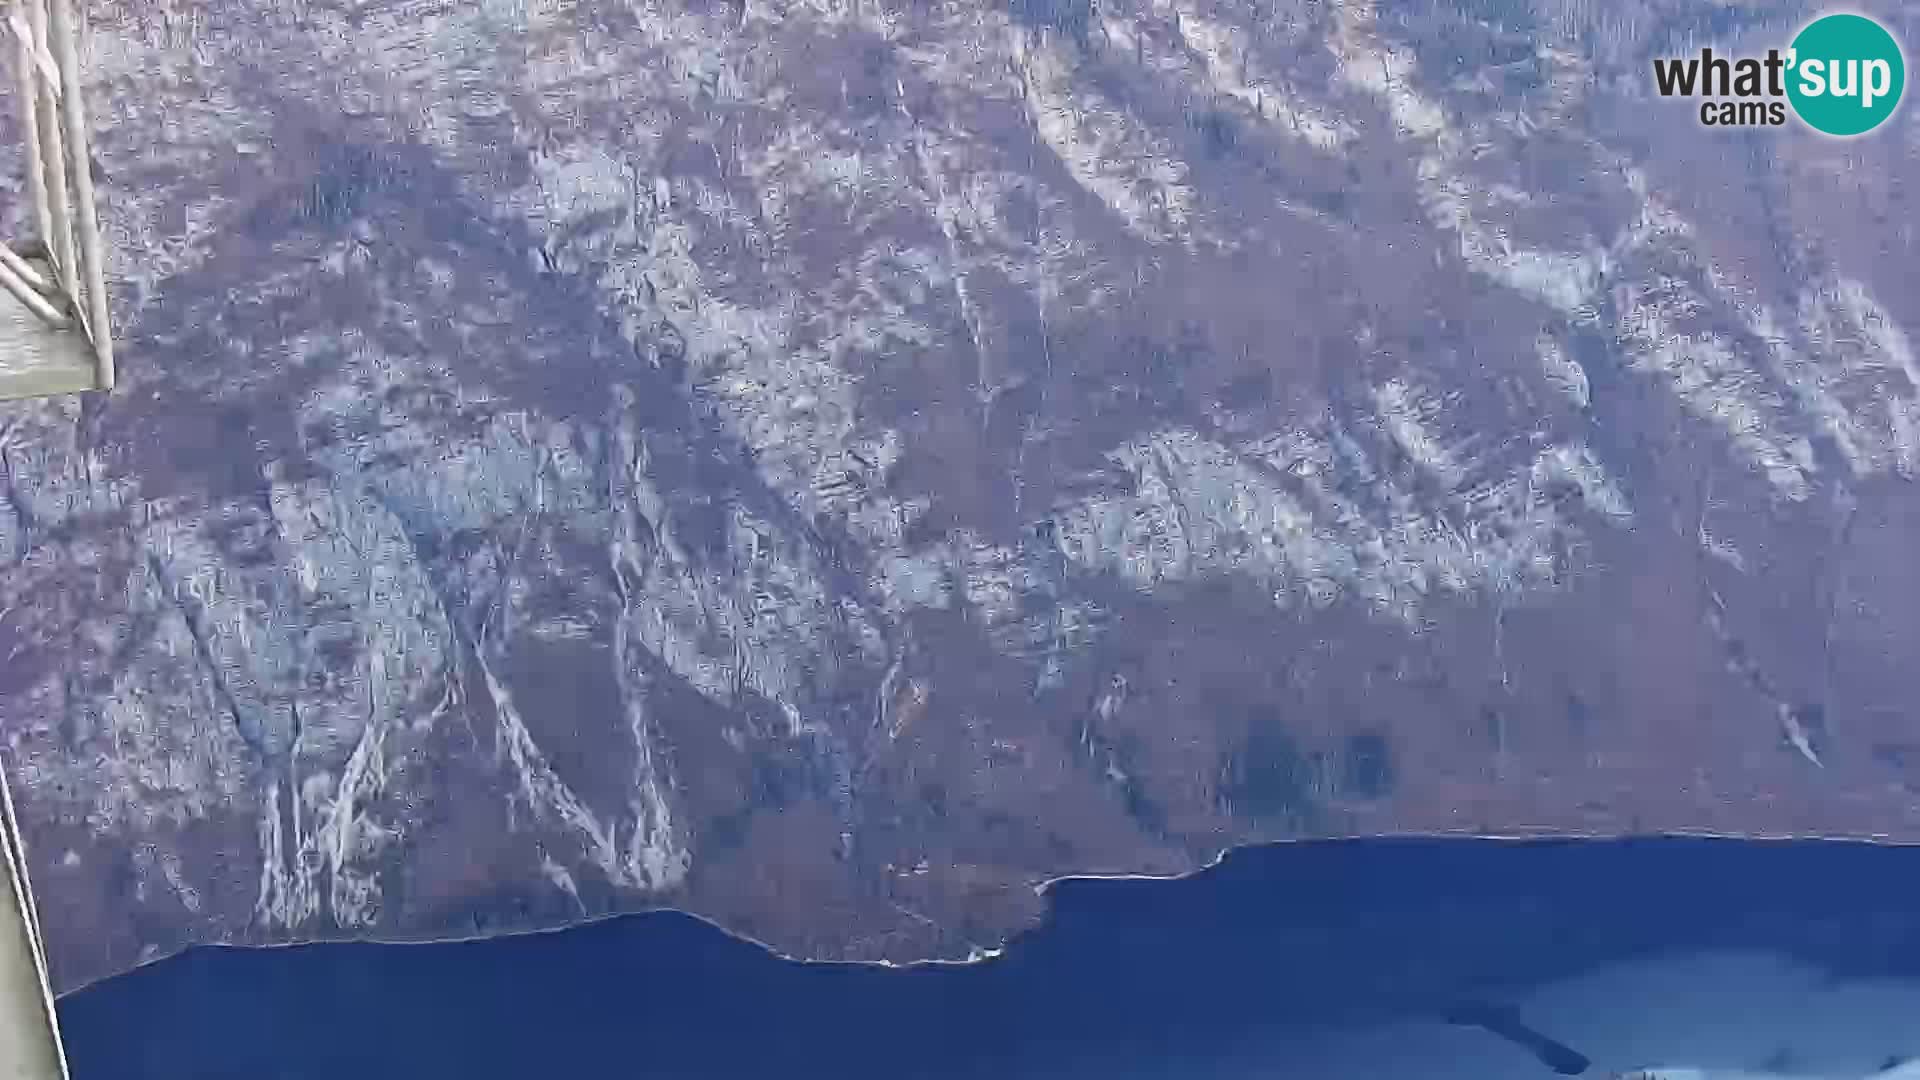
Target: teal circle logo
column 1845, row 74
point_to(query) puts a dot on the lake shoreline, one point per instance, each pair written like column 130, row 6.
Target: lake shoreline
column 1299, row 936
column 1043, row 887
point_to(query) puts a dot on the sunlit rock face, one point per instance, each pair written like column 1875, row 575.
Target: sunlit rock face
column 832, row 465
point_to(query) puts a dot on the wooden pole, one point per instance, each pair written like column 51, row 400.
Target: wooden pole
column 23, row 290
column 29, row 91
column 24, row 270
column 92, row 269
column 53, row 154
column 29, row 1027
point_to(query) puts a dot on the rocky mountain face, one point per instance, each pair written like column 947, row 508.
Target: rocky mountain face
column 831, row 465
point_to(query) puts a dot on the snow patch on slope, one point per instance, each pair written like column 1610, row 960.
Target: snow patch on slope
column 1848, row 371
column 1277, row 511
column 1110, row 153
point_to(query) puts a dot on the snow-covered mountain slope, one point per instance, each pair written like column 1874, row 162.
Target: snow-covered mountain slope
column 833, row 465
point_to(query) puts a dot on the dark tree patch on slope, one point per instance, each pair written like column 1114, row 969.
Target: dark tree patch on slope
column 1218, row 131
column 1069, row 17
column 1269, row 779
column 1366, row 766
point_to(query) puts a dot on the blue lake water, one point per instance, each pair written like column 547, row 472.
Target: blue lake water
column 1213, row 975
